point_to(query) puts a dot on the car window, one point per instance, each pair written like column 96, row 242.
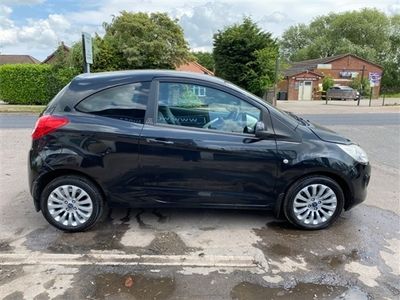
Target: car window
column 199, row 106
column 126, row 102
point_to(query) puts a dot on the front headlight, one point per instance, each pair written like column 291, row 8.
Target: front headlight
column 356, row 152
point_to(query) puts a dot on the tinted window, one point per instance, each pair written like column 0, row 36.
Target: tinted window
column 204, row 107
column 125, row 102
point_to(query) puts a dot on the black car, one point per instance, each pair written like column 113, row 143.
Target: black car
column 173, row 139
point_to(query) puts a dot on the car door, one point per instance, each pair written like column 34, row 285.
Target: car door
column 199, row 148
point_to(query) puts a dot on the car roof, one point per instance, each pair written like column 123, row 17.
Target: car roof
column 122, row 76
column 344, row 87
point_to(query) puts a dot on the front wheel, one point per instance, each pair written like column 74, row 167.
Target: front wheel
column 71, row 203
column 314, row 202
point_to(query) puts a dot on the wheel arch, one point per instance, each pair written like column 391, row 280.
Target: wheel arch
column 278, row 211
column 51, row 175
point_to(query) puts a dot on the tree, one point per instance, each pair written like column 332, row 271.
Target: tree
column 363, row 86
column 327, row 83
column 137, row 41
column 364, row 33
column 245, row 55
column 368, row 33
column 206, row 59
column 391, row 61
column 147, row 40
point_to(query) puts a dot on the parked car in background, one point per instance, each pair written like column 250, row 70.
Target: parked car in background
column 341, row 92
column 174, row 139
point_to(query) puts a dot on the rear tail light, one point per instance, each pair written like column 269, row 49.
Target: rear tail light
column 46, row 124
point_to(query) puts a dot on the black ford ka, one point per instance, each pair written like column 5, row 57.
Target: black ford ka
column 173, row 139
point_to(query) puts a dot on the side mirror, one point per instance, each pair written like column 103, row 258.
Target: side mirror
column 261, row 132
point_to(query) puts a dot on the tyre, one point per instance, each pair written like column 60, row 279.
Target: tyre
column 314, row 202
column 71, row 203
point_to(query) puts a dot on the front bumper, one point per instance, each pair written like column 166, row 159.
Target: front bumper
column 359, row 185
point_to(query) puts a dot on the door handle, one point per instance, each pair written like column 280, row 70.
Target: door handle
column 157, row 141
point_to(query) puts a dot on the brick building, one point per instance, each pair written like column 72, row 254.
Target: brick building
column 195, row 67
column 303, row 80
column 61, row 50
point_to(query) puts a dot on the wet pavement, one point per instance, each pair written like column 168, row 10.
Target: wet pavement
column 202, row 253
column 357, row 256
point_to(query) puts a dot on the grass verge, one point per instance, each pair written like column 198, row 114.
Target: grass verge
column 8, row 108
column 396, row 95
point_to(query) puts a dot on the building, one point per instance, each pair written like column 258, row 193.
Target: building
column 303, row 80
column 62, row 49
column 11, row 59
column 195, row 67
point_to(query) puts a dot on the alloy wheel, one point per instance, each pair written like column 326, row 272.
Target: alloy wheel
column 70, row 205
column 315, row 204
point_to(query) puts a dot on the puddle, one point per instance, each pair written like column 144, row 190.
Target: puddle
column 167, row 243
column 282, row 250
column 103, row 237
column 107, row 235
column 15, row 296
column 116, row 286
column 246, row 290
column 349, row 252
column 5, row 246
column 10, row 273
column 337, row 260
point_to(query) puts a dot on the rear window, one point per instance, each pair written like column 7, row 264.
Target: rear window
column 125, row 102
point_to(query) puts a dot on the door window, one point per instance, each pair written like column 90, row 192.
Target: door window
column 126, row 102
column 199, row 106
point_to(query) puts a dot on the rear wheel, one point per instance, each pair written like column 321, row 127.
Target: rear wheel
column 314, row 202
column 71, row 203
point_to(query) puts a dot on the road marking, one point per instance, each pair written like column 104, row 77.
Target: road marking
column 115, row 259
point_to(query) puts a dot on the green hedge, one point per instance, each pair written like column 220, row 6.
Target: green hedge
column 32, row 84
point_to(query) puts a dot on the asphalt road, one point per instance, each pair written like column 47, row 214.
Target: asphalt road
column 204, row 253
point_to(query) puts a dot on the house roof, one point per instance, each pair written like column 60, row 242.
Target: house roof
column 306, row 72
column 63, row 46
column 17, row 59
column 193, row 66
column 311, row 64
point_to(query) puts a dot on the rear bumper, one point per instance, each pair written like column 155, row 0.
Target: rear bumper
column 33, row 161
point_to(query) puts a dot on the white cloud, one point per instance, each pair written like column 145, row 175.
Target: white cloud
column 200, row 19
column 35, row 34
column 394, row 9
column 275, row 17
column 22, row 2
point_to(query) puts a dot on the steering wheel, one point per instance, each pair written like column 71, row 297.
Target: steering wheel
column 214, row 121
column 239, row 116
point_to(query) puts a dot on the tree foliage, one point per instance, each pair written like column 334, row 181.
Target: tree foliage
column 361, row 85
column 245, row 55
column 327, row 83
column 137, row 41
column 206, row 59
column 368, row 33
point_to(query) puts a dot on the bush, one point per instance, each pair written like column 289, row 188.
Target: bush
column 327, row 83
column 32, row 84
column 363, row 86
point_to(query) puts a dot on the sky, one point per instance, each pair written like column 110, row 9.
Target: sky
column 36, row 27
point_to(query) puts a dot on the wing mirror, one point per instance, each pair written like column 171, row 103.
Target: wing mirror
column 261, row 132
